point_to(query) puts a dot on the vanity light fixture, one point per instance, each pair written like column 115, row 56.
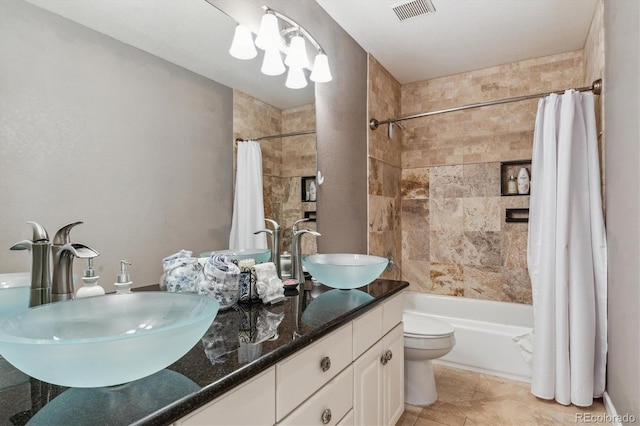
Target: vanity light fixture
column 272, row 39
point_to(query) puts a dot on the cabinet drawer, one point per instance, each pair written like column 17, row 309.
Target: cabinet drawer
column 230, row 408
column 327, row 406
column 392, row 312
column 300, row 375
column 367, row 330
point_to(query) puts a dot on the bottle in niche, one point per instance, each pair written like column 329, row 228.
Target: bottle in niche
column 512, row 185
column 312, row 191
column 523, row 181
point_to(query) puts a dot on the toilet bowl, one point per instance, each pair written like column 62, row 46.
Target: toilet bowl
column 425, row 339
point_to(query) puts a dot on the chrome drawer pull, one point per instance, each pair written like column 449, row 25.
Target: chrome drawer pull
column 325, row 363
column 326, row 416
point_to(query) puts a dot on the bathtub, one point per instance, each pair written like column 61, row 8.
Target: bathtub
column 484, row 332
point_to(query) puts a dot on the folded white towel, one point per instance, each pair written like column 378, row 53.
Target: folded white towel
column 268, row 285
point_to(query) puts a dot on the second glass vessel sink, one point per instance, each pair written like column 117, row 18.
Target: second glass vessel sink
column 106, row 340
column 344, row 270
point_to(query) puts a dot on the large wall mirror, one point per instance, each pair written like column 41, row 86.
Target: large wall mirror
column 100, row 121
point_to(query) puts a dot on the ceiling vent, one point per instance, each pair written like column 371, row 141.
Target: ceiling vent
column 410, row 9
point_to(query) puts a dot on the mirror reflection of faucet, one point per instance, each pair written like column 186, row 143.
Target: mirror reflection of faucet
column 45, row 287
column 297, row 271
column 274, row 235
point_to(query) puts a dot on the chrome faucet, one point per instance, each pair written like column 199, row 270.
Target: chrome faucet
column 275, row 243
column 63, row 251
column 297, row 272
column 43, row 288
column 40, row 250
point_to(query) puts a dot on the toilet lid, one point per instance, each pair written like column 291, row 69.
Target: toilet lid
column 422, row 325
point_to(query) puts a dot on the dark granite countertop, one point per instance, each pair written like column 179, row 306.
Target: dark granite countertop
column 239, row 344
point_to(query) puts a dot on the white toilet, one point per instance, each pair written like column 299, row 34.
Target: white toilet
column 425, row 338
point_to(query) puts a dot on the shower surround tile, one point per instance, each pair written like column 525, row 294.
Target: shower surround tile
column 415, row 183
column 447, row 278
column 482, row 213
column 452, row 162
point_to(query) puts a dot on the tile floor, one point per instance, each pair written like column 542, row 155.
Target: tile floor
column 467, row 398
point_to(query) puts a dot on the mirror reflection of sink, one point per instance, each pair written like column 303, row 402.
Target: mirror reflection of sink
column 344, row 270
column 14, row 293
column 331, row 304
column 106, row 340
column 259, row 255
column 77, row 406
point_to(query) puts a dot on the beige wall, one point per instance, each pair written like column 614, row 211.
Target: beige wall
column 622, row 113
column 95, row 130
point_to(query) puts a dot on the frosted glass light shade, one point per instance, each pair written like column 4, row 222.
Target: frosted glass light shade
column 269, row 33
column 297, row 56
column 296, row 78
column 321, row 72
column 272, row 63
column 242, row 45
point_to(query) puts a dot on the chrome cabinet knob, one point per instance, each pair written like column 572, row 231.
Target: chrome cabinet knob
column 386, row 357
column 326, row 416
column 325, row 363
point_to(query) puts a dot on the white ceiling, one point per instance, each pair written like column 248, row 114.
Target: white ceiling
column 461, row 36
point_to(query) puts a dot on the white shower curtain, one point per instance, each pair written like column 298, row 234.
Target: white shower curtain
column 248, row 204
column 567, row 253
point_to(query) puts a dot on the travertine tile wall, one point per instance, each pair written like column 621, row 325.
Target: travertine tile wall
column 385, row 238
column 284, row 160
column 298, row 160
column 454, row 236
column 454, row 239
column 593, row 70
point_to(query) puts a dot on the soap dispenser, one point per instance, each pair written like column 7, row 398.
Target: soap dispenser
column 123, row 283
column 90, row 280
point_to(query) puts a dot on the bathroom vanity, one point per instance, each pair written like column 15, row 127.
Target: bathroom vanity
column 323, row 356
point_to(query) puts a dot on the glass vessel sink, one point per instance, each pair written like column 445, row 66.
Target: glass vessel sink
column 344, row 270
column 14, row 293
column 106, row 340
column 259, row 255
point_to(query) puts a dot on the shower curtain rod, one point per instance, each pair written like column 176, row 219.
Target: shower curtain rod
column 596, row 87
column 283, row 135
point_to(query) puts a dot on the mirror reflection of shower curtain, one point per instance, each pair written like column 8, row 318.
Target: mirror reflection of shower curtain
column 248, row 204
column 567, row 253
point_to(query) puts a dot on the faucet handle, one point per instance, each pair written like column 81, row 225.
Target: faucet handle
column 274, row 223
column 62, row 236
column 266, row 231
column 294, row 227
column 39, row 233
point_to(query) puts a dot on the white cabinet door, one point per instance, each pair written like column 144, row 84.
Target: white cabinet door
column 393, row 376
column 367, row 388
column 378, row 383
column 252, row 403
